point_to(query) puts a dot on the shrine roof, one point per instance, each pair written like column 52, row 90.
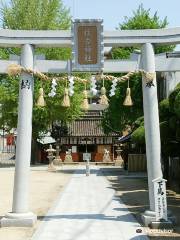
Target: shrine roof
column 88, row 125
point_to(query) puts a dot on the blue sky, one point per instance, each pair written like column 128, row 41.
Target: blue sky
column 113, row 11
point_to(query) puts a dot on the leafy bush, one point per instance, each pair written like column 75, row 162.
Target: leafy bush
column 173, row 122
column 164, row 109
column 139, row 122
column 172, row 99
column 177, row 104
column 138, row 136
column 165, row 131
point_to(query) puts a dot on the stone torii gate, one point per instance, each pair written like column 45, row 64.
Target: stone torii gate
column 27, row 41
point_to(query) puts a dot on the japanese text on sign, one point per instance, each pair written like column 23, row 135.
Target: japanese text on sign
column 87, row 44
column 160, row 199
column 25, row 84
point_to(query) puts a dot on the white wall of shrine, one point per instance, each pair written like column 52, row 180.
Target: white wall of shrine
column 171, row 80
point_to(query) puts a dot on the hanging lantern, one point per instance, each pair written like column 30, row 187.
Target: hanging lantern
column 103, row 98
column 85, row 104
column 66, row 100
column 128, row 101
column 41, row 102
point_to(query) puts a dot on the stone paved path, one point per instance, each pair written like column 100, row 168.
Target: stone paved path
column 88, row 210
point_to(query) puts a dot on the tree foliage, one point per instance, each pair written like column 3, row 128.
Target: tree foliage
column 138, row 135
column 164, row 112
column 169, row 125
column 43, row 117
column 141, row 19
column 118, row 116
column 37, row 15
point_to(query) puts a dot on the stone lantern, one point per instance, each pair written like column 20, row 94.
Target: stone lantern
column 119, row 161
column 57, row 160
column 51, row 157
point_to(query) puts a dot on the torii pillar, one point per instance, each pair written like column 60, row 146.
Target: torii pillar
column 20, row 215
column 152, row 132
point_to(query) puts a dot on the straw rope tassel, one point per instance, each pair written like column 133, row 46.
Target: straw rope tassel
column 66, row 99
column 103, row 98
column 40, row 101
column 85, row 104
column 128, row 101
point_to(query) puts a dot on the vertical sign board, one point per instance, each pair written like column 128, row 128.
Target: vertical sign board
column 160, row 199
column 88, row 46
column 86, row 156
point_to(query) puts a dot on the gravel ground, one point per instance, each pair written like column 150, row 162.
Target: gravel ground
column 45, row 187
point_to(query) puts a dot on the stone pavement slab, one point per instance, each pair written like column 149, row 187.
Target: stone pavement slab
column 88, row 209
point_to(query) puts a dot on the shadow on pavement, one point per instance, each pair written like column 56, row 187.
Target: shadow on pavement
column 124, row 218
column 133, row 191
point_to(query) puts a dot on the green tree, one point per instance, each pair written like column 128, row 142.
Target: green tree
column 141, row 19
column 169, row 125
column 36, row 15
column 117, row 116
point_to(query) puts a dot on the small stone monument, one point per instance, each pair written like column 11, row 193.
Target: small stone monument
column 87, row 157
column 106, row 156
column 161, row 219
column 160, row 199
column 68, row 157
column 51, row 157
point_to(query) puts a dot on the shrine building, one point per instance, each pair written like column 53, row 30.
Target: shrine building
column 86, row 135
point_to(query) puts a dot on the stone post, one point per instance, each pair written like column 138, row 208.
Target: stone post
column 20, row 215
column 152, row 132
column 57, row 160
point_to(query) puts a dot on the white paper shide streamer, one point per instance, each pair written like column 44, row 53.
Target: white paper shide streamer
column 113, row 87
column 53, row 88
column 93, row 86
column 71, row 85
